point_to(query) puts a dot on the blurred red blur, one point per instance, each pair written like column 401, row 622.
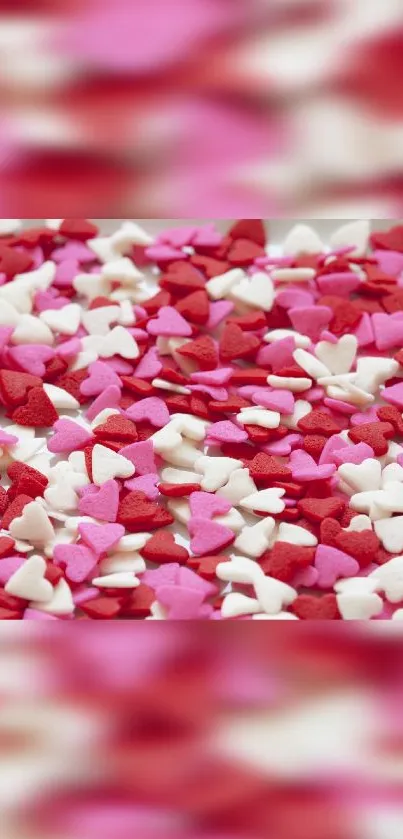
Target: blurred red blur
column 217, row 108
column 241, row 732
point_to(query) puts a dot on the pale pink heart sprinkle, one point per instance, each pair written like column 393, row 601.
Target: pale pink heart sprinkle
column 142, row 456
column 8, row 566
column 304, row 468
column 164, row 253
column 165, row 575
column 110, row 398
column 150, row 366
column 119, row 365
column 7, row 439
column 207, row 237
column 75, row 251
column 274, row 400
column 146, row 484
column 208, row 536
column 332, row 565
column 177, row 237
column 100, row 377
column 169, row 323
column 66, row 272
column 226, row 431
column 283, row 447
column 46, row 300
column 189, row 579
column 394, row 395
column 390, row 262
column 363, row 417
column 353, row 454
column 388, row 330
column 182, row 603
column 84, row 595
column 339, row 406
column 78, row 560
column 101, row 538
column 69, row 436
column 101, row 503
column 277, row 355
column 215, row 378
column 69, row 349
column 341, row 284
column 206, row 505
column 31, row 358
column 292, row 298
column 153, row 409
column 364, row 331
column 310, row 320
column 218, row 394
column 219, row 310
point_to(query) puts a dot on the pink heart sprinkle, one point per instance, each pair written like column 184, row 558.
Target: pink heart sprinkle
column 219, row 394
column 388, row 331
column 275, row 400
column 101, row 503
column 182, row 603
column 283, row 447
column 66, row 272
column 332, row 565
column 69, row 349
column 8, row 566
column 394, row 395
column 226, row 431
column 294, row 297
column 206, row 505
column 208, row 536
column 73, row 251
column 100, row 377
column 169, row 322
column 278, row 354
column 69, row 436
column 146, row 484
column 150, row 366
column 207, row 237
column 216, row 378
column 341, row 284
column 165, row 575
column 31, row 358
column 310, row 320
column 304, row 468
column 164, row 253
column 46, row 300
column 219, row 310
column 353, row 454
column 189, row 579
column 142, row 456
column 101, row 538
column 7, row 439
column 78, row 561
column 35, row 615
column 177, row 237
column 153, row 409
column 110, row 398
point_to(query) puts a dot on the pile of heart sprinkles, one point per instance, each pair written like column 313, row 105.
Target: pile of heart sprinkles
column 200, row 426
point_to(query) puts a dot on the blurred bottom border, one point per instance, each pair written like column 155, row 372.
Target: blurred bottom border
column 194, row 731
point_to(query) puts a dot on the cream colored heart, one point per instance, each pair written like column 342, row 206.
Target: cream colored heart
column 255, row 539
column 302, row 239
column 60, row 605
column 65, row 320
column 33, row 525
column 107, row 464
column 29, row 581
column 338, row 358
column 31, row 330
column 273, row 595
column 98, row 321
column 239, row 569
column 236, row 604
column 258, row 292
column 238, row 486
column 265, row 501
column 362, row 477
column 121, row 579
column 119, row 342
column 215, row 471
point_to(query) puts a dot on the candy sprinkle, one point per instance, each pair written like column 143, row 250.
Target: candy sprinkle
column 214, row 435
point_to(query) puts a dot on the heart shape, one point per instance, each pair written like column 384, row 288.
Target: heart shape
column 390, row 578
column 162, row 549
column 243, row 252
column 100, row 377
column 284, row 560
column 333, row 564
column 142, row 456
column 363, row 545
column 169, row 323
column 252, row 229
column 195, row 307
column 39, row 411
column 204, row 505
column 257, row 292
column 101, row 538
column 135, row 510
column 31, row 358
column 29, row 581
column 208, row 536
column 119, row 341
column 362, row 477
column 78, row 560
column 317, row 509
column 65, row 320
column 149, row 366
column 101, row 503
column 310, row 320
column 69, row 437
column 146, row 484
column 153, row 410
column 107, row 464
column 181, row 603
column 14, row 386
column 375, row 434
column 235, row 343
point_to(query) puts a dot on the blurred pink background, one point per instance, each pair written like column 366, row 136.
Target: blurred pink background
column 223, row 108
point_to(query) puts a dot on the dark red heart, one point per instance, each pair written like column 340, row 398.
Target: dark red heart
column 162, row 549
column 363, row 546
column 285, row 559
column 317, row 509
column 14, row 387
column 318, row 422
column 265, row 469
column 136, row 509
column 244, row 252
column 235, row 343
column 390, row 240
column 195, row 307
column 39, row 412
column 376, row 434
column 249, row 228
column 203, row 351
column 309, row 608
column 117, row 428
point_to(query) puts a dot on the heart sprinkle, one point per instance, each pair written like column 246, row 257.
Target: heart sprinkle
column 228, row 445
